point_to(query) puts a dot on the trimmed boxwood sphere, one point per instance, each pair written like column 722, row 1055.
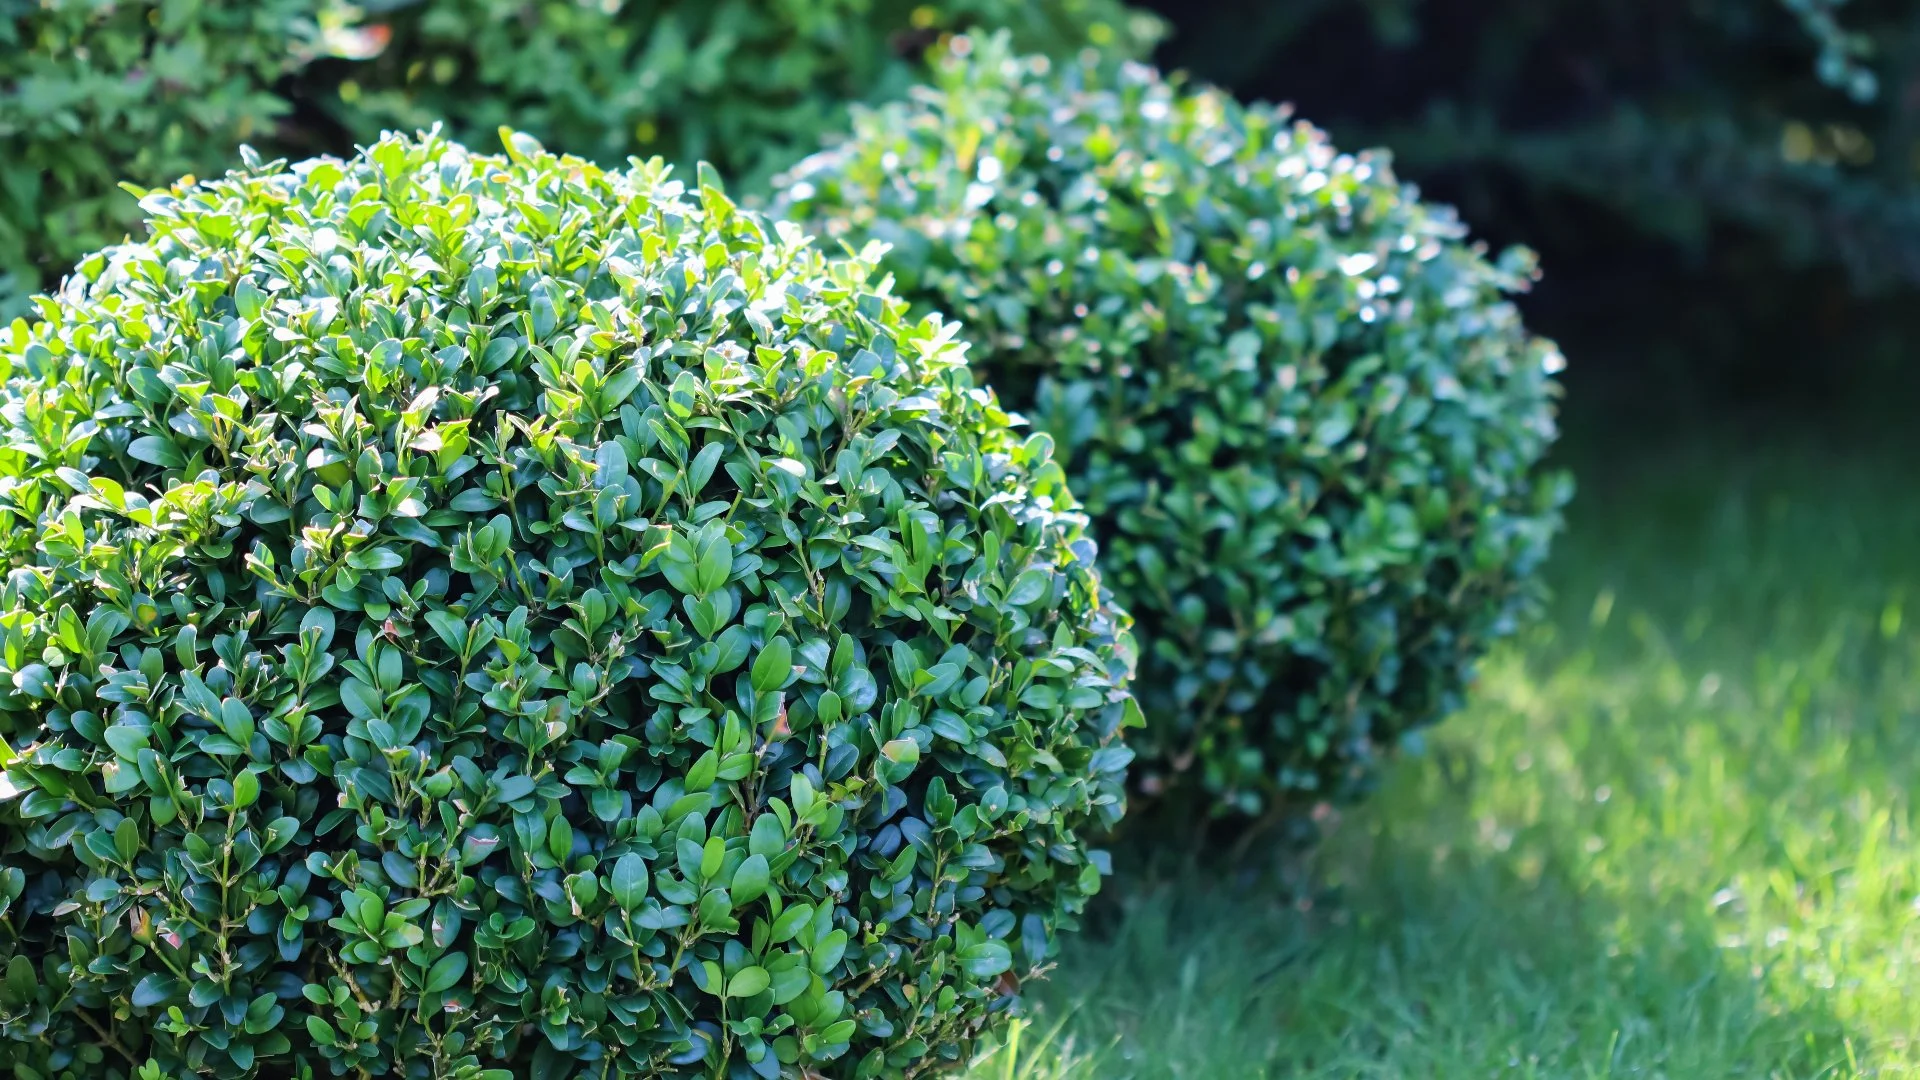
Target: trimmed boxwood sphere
column 1301, row 410
column 491, row 617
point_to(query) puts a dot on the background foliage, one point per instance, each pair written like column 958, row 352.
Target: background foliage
column 1718, row 151
column 93, row 92
column 744, row 84
column 487, row 618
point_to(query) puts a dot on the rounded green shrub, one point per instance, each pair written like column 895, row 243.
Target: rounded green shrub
column 490, row 617
column 1302, row 412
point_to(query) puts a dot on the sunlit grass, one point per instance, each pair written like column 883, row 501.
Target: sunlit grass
column 1673, row 837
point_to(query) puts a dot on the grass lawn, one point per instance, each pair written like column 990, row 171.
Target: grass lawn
column 1673, row 837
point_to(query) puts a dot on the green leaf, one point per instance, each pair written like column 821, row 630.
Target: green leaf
column 1028, row 587
column 773, row 666
column 126, row 740
column 703, row 465
column 472, row 501
column 716, row 912
column 788, row 925
column 827, row 954
column 897, row 760
column 155, row 990
column 155, row 450
column 376, row 558
column 628, row 882
column 248, row 299
column 362, row 701
column 986, row 959
column 560, row 839
column 21, row 982
column 749, row 881
column 767, row 837
column 715, row 564
column 246, row 790
column 318, row 621
column 837, row 1033
column 790, row 982
column 706, row 768
column 237, row 721
column 280, row 833
column 449, row 628
column 748, row 981
column 321, row 1032
column 126, row 840
column 445, row 972
column 619, row 387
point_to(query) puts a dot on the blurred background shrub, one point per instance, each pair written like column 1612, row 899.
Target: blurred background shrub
column 1720, row 190
column 743, row 84
column 93, row 92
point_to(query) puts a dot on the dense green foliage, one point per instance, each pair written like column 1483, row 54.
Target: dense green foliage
column 148, row 90
column 491, row 617
column 1302, row 412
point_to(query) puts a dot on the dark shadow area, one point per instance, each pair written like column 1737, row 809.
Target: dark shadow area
column 1693, row 272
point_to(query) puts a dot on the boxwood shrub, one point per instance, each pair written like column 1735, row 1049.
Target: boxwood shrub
column 490, row 617
column 1299, row 406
